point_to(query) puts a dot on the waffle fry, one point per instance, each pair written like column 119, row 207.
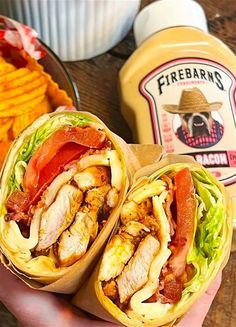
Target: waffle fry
column 22, row 108
column 4, row 147
column 25, row 94
column 11, row 76
column 5, row 125
column 57, row 96
column 14, row 102
column 29, row 77
column 6, row 68
column 26, row 90
column 22, row 89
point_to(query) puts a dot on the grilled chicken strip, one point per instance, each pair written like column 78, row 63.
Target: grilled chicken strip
column 73, row 242
column 59, row 216
column 52, row 190
column 118, row 253
column 112, row 197
column 134, row 228
column 96, row 197
column 93, row 177
column 135, row 274
column 95, row 201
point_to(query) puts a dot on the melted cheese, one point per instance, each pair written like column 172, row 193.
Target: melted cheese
column 139, row 195
column 108, row 158
column 154, row 310
column 12, row 237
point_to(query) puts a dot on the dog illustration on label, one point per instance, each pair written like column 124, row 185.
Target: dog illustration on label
column 198, row 128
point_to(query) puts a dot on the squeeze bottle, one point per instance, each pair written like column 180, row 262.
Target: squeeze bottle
column 178, row 88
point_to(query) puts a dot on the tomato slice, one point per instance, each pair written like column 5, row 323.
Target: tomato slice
column 66, row 154
column 20, row 201
column 186, row 210
column 52, row 148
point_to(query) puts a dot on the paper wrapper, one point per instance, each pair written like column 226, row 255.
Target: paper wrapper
column 91, row 297
column 21, row 37
column 75, row 275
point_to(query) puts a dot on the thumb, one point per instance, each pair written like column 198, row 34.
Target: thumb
column 26, row 304
column 36, row 308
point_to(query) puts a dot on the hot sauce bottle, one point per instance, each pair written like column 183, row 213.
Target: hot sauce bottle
column 178, row 88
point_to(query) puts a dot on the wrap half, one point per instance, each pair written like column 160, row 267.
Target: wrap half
column 174, row 236
column 62, row 186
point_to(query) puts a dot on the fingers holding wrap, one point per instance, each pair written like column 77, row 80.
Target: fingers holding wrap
column 195, row 317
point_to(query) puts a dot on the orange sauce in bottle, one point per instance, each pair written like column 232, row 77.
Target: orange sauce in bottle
column 178, row 88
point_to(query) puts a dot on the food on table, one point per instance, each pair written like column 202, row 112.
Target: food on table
column 173, row 238
column 62, row 182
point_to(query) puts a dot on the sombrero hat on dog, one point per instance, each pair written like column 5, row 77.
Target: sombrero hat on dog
column 192, row 100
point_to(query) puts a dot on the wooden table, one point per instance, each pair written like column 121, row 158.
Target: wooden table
column 97, row 83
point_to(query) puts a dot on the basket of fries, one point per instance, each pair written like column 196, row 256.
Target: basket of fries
column 33, row 81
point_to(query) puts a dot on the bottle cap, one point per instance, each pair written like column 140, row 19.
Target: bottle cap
column 168, row 13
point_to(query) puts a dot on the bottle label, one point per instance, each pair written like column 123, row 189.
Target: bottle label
column 193, row 111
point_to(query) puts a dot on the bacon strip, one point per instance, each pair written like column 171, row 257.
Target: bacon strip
column 168, row 202
column 17, row 201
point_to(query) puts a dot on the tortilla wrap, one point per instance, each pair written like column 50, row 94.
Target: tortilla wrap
column 162, row 257
column 54, row 241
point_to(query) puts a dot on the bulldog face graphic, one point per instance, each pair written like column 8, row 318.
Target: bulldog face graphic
column 198, row 127
column 197, row 124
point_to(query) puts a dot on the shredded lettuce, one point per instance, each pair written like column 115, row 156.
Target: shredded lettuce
column 204, row 193
column 20, row 168
column 209, row 238
column 39, row 136
column 202, row 177
column 201, row 275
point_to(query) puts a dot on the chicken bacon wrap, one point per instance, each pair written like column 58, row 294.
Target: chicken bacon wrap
column 62, row 184
column 174, row 236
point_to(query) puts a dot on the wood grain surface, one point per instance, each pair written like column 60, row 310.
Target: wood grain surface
column 97, row 83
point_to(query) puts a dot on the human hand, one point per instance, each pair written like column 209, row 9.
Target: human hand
column 36, row 308
column 41, row 309
column 195, row 317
